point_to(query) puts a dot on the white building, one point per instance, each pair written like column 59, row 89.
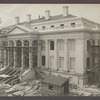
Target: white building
column 57, row 44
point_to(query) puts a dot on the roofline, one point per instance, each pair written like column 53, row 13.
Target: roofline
column 89, row 20
column 39, row 23
column 54, row 21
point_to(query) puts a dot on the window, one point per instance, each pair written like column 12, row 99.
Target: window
column 72, row 45
column 88, row 44
column 62, row 25
column 35, row 27
column 19, row 43
column 52, row 26
column 72, row 63
column 42, row 45
column 26, row 43
column 61, row 62
column 50, row 87
column 61, row 45
column 3, row 44
column 88, row 62
column 43, row 60
column 34, row 43
column 51, row 45
column 43, row 27
column 73, row 24
column 51, row 62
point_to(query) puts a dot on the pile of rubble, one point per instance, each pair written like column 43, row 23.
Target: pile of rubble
column 28, row 88
column 85, row 91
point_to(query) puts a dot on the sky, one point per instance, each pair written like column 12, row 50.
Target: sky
column 8, row 12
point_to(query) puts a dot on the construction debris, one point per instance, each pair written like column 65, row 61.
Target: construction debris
column 89, row 90
column 31, row 88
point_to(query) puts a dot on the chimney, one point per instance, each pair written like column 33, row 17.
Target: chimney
column 65, row 11
column 16, row 20
column 28, row 18
column 47, row 14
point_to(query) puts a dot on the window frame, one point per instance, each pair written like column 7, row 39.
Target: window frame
column 62, row 25
column 50, row 87
column 73, row 24
column 52, row 26
column 72, row 68
column 60, row 59
column 71, row 46
column 88, row 62
column 51, row 45
column 35, row 27
column 43, row 60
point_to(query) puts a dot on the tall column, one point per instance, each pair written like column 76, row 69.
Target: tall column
column 39, row 53
column 65, row 55
column 47, row 53
column 22, row 55
column 8, row 54
column 55, row 54
column 15, row 54
column 30, row 55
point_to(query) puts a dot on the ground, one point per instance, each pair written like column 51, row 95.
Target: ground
column 33, row 88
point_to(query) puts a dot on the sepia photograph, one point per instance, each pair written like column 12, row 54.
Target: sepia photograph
column 49, row 50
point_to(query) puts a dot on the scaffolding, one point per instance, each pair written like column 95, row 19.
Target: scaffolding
column 93, row 62
column 8, row 52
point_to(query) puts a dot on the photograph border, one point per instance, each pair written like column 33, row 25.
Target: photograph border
column 50, row 2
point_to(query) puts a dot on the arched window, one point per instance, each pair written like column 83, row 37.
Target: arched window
column 26, row 43
column 34, row 43
column 19, row 43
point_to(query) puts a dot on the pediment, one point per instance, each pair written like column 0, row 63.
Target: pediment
column 17, row 31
